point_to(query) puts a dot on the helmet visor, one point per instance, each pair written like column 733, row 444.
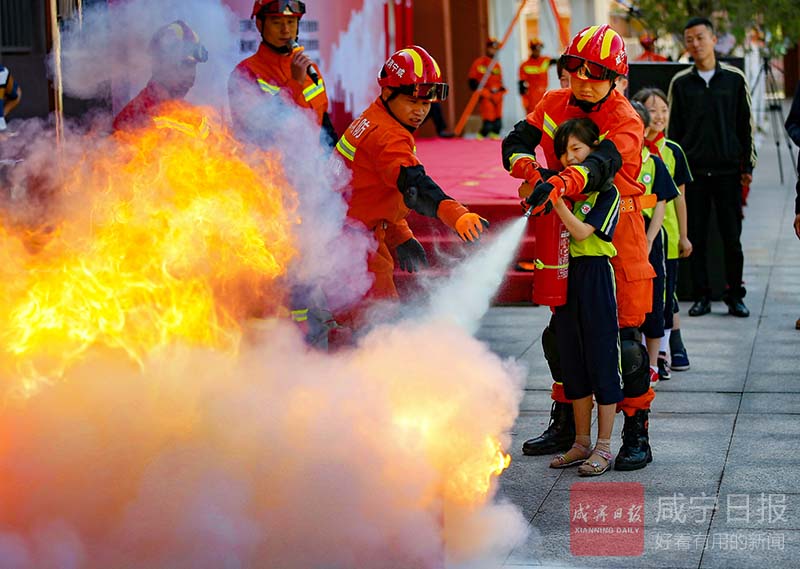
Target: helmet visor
column 430, row 91
column 591, row 70
column 283, row 8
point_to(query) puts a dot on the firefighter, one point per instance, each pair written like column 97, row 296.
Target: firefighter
column 648, row 44
column 175, row 51
column 388, row 180
column 279, row 68
column 533, row 76
column 491, row 95
column 595, row 58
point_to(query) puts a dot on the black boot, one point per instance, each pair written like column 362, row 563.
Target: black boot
column 635, row 452
column 558, row 437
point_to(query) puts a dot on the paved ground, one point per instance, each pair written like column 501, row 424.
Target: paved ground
column 725, row 431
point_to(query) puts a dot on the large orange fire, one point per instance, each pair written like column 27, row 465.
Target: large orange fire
column 129, row 401
column 172, row 233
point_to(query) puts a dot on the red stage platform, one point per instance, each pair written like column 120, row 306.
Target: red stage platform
column 471, row 171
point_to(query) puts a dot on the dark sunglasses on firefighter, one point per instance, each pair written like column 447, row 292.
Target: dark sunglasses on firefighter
column 277, row 7
column 592, row 70
column 429, row 91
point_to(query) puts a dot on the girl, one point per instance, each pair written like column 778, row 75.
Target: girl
column 675, row 224
column 586, row 326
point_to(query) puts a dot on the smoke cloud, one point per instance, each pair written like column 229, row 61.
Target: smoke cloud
column 271, row 455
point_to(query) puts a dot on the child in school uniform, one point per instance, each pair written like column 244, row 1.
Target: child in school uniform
column 656, row 180
column 675, row 225
column 586, row 327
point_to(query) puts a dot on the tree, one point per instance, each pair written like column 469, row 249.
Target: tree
column 777, row 20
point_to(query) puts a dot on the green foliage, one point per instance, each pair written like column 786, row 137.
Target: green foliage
column 778, row 20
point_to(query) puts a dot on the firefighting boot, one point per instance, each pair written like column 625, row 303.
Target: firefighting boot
column 635, row 451
column 559, row 435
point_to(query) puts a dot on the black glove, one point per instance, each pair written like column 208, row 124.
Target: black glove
column 411, row 256
column 540, row 194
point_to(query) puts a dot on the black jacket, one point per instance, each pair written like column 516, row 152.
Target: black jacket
column 713, row 124
column 793, row 128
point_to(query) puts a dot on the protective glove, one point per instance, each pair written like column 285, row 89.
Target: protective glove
column 527, row 169
column 546, row 194
column 411, row 256
column 470, row 225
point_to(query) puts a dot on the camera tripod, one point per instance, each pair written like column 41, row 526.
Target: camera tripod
column 774, row 109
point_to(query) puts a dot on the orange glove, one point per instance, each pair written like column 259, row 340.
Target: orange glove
column 470, row 225
column 458, row 218
column 527, row 169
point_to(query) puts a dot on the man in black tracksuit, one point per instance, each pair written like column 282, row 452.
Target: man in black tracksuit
column 793, row 128
column 710, row 118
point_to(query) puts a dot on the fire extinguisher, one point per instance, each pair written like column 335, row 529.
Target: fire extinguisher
column 552, row 260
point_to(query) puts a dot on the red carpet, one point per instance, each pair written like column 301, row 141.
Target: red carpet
column 471, row 172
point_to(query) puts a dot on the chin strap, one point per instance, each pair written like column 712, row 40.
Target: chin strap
column 589, row 107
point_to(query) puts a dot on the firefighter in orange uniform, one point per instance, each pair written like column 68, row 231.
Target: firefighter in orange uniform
column 175, row 50
column 491, row 95
column 648, row 44
column 595, row 58
column 388, row 179
column 279, row 68
column 533, row 76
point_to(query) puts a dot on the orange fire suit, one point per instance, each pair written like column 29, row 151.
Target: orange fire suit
column 620, row 124
column 268, row 73
column 534, row 73
column 140, row 110
column 491, row 101
column 651, row 56
column 375, row 146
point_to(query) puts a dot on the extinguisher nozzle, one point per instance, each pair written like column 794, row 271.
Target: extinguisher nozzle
column 528, row 213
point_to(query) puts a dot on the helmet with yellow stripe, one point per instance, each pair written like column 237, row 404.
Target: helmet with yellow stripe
column 597, row 51
column 413, row 71
column 177, row 41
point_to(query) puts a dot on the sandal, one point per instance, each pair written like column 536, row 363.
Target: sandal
column 563, row 461
column 594, row 467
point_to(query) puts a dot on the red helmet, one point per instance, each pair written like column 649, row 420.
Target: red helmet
column 599, row 51
column 413, row 71
column 647, row 40
column 177, row 41
column 278, row 8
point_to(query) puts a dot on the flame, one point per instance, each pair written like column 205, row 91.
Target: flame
column 172, row 233
column 466, row 474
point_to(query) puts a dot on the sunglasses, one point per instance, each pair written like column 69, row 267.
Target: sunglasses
column 280, row 6
column 592, row 70
column 431, row 91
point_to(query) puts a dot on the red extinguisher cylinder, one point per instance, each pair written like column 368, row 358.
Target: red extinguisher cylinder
column 552, row 260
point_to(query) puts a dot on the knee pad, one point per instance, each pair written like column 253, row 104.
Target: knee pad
column 635, row 363
column 550, row 349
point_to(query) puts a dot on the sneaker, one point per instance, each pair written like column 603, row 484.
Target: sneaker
column 679, row 360
column 494, row 136
column 663, row 367
column 653, row 376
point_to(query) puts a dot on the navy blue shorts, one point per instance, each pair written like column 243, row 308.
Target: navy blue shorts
column 670, row 293
column 653, row 326
column 587, row 333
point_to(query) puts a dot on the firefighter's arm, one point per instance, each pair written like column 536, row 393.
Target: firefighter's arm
column 590, row 176
column 523, row 87
column 518, row 152
column 397, row 233
column 423, row 195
